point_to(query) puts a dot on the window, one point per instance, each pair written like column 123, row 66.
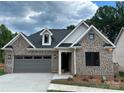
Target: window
column 27, row 57
column 92, row 59
column 91, row 36
column 46, row 38
column 18, row 57
column 37, row 57
column 46, row 57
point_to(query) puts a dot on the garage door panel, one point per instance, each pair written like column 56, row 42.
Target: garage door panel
column 32, row 65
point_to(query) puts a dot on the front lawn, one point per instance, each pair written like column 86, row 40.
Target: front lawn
column 76, row 83
column 2, row 72
column 117, row 83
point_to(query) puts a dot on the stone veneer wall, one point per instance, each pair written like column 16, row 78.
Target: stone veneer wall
column 106, row 63
column 20, row 48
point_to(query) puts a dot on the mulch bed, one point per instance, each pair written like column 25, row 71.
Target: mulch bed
column 116, row 83
column 1, row 66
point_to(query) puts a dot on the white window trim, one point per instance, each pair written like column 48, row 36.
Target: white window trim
column 43, row 34
column 43, row 40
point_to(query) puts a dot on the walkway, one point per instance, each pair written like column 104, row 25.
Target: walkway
column 62, row 87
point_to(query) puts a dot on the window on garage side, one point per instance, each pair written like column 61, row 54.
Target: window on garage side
column 46, row 57
column 18, row 57
column 92, row 58
column 37, row 57
column 27, row 57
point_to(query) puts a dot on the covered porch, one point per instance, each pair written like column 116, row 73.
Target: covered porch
column 67, row 61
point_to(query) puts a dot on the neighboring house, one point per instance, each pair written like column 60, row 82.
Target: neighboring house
column 82, row 51
column 118, row 54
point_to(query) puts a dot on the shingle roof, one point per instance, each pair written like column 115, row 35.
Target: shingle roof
column 65, row 44
column 58, row 35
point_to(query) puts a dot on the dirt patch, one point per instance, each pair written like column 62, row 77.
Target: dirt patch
column 1, row 66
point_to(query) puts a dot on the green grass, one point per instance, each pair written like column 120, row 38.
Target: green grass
column 2, row 72
column 121, row 74
column 80, row 84
column 56, row 91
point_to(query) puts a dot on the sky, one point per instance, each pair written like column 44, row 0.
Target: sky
column 30, row 17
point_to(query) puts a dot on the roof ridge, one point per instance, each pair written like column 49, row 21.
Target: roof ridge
column 49, row 29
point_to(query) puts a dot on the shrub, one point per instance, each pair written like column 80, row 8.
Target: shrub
column 75, row 75
column 91, row 77
column 121, row 74
column 85, row 79
column 122, row 80
column 115, row 76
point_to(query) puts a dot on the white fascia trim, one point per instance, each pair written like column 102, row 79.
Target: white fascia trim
column 63, row 47
column 103, row 36
column 15, row 38
column 8, row 49
column 105, row 39
column 11, row 41
column 82, row 22
column 27, row 40
column 119, row 35
column 107, row 47
column 46, row 29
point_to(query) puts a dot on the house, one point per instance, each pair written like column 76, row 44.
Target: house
column 82, row 51
column 118, row 53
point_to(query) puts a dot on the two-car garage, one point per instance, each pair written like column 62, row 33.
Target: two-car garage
column 32, row 64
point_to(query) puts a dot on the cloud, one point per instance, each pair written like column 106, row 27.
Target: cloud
column 6, row 18
column 30, row 14
column 29, row 17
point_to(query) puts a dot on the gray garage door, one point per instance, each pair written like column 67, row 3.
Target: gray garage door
column 32, row 64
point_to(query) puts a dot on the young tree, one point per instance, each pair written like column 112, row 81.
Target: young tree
column 5, row 36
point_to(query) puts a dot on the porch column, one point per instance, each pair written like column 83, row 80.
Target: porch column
column 74, row 60
column 59, row 62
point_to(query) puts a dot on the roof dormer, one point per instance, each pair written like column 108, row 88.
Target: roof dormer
column 46, row 37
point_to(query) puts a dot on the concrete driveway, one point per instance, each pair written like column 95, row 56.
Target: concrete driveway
column 25, row 82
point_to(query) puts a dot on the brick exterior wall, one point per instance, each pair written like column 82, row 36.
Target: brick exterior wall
column 20, row 48
column 106, row 63
column 96, row 45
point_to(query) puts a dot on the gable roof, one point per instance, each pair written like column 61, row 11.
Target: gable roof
column 16, row 37
column 46, row 29
column 82, row 22
column 58, row 35
column 119, row 35
column 99, row 33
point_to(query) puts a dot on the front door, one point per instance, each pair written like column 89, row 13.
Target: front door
column 66, row 62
